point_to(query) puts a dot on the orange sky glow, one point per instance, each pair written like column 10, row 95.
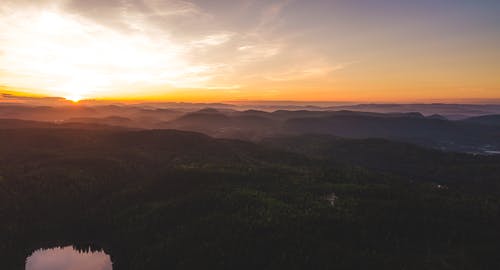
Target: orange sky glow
column 250, row 50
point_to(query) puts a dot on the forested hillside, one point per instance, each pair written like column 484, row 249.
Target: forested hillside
column 165, row 199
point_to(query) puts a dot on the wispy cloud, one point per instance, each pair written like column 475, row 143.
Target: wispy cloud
column 311, row 71
column 100, row 48
column 256, row 52
column 70, row 55
column 212, row 40
column 272, row 13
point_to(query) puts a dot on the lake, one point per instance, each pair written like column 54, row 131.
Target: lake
column 68, row 258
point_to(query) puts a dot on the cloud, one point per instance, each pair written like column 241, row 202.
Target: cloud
column 256, row 52
column 308, row 71
column 12, row 97
column 70, row 55
column 272, row 12
column 300, row 74
column 212, row 40
column 94, row 48
column 134, row 15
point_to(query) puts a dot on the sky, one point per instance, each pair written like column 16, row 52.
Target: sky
column 220, row 50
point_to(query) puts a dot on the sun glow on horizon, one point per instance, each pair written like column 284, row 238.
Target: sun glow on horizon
column 74, row 99
column 71, row 57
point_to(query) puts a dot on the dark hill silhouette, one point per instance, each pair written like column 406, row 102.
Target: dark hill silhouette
column 200, row 121
column 208, row 110
column 227, row 125
column 408, row 160
column 490, row 120
column 458, row 136
column 109, row 120
column 437, row 116
column 28, row 124
column 478, row 135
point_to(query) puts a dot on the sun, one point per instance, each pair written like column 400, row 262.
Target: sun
column 75, row 90
column 74, row 98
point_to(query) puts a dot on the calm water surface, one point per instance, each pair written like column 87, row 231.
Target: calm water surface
column 68, row 258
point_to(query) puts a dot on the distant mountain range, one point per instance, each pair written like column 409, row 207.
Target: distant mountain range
column 476, row 134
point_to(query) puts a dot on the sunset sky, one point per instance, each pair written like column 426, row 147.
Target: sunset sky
column 217, row 50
